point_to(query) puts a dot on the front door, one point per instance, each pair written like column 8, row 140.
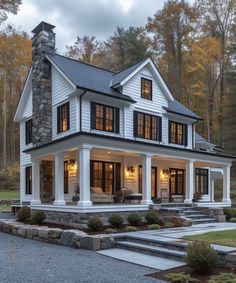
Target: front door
column 105, row 175
column 154, row 181
column 176, row 182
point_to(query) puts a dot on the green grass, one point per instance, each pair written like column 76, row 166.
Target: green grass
column 5, row 208
column 224, row 238
column 10, row 195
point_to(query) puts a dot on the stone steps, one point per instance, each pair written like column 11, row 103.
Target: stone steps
column 151, row 250
column 204, row 221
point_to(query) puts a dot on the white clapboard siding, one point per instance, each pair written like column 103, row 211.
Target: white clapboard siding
column 61, row 88
column 28, row 107
column 25, row 160
column 154, row 106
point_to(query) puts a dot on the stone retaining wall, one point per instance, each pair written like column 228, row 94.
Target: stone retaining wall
column 72, row 238
column 80, row 220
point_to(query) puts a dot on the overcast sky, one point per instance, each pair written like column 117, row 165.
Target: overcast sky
column 74, row 18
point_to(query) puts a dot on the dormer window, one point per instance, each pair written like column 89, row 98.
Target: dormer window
column 146, row 88
column 63, row 117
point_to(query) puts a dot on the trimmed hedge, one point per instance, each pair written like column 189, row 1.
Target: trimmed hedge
column 23, row 213
column 116, row 220
column 134, row 219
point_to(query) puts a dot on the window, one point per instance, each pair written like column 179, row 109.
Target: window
column 63, row 117
column 28, row 180
column 201, row 180
column 105, row 118
column 147, row 126
column 176, row 182
column 178, row 133
column 146, row 88
column 28, row 131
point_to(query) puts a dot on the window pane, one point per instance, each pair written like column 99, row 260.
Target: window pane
column 146, row 88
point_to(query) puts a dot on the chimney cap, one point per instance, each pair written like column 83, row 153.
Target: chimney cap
column 43, row 26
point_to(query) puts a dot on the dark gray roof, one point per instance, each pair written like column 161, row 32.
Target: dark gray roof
column 178, row 108
column 87, row 77
column 118, row 77
column 199, row 138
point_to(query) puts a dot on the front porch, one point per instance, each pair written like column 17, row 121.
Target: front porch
column 101, row 174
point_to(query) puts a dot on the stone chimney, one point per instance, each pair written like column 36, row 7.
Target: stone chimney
column 43, row 42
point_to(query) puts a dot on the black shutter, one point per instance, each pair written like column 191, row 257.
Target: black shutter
column 117, row 120
column 185, row 134
column 58, row 119
column 68, row 115
column 117, row 177
column 159, row 129
column 169, row 128
column 93, row 115
column 135, row 123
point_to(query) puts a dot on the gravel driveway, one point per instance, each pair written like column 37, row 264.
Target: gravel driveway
column 24, row 260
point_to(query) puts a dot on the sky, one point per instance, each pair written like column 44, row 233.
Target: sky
column 74, row 18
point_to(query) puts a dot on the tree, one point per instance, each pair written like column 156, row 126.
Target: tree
column 218, row 18
column 15, row 60
column 171, row 29
column 8, row 6
column 83, row 49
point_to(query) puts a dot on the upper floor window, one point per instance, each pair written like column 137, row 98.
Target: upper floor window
column 63, row 117
column 28, row 180
column 201, row 180
column 105, row 118
column 146, row 88
column 28, row 131
column 147, row 126
column 178, row 133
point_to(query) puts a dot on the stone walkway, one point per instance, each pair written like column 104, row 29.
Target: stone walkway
column 172, row 235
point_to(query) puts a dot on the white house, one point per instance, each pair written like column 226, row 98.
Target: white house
column 83, row 125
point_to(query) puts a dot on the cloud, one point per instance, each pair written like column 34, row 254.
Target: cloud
column 76, row 18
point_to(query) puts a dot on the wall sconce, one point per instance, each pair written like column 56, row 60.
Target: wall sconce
column 165, row 172
column 130, row 171
column 71, row 165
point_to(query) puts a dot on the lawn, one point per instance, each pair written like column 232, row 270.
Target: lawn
column 224, row 238
column 10, row 195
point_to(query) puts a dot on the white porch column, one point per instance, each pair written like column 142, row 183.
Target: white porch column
column 146, row 179
column 212, row 190
column 35, row 182
column 189, row 187
column 84, row 176
column 59, row 179
column 226, row 184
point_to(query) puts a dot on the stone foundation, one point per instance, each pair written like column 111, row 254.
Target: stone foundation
column 80, row 220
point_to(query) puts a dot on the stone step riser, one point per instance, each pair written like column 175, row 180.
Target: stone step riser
column 198, row 221
column 193, row 217
column 165, row 245
column 153, row 253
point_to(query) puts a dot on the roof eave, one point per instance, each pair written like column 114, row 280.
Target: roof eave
column 185, row 115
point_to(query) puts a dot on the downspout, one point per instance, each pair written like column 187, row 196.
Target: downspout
column 80, row 110
column 193, row 135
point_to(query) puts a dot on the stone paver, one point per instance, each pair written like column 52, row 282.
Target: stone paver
column 24, row 260
column 142, row 259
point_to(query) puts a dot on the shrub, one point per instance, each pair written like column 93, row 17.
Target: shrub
column 169, row 225
column 38, row 217
column 154, row 227
column 95, row 223
column 23, row 213
column 180, row 277
column 201, row 257
column 110, row 231
column 177, row 222
column 152, row 217
column 229, row 212
column 233, row 219
column 223, row 277
column 131, row 229
column 134, row 219
column 116, row 220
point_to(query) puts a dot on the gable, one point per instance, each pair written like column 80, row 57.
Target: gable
column 24, row 108
column 156, row 75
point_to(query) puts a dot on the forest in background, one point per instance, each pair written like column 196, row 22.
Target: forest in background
column 193, row 45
